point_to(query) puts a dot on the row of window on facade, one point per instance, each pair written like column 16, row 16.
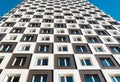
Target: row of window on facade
column 84, row 25
column 64, row 31
column 46, row 76
column 60, row 62
column 48, row 48
column 60, row 38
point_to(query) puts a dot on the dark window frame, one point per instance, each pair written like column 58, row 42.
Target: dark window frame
column 72, row 61
column 26, row 64
column 115, row 64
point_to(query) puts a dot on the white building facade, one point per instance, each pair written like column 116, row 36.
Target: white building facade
column 59, row 41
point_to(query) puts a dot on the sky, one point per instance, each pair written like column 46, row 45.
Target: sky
column 111, row 7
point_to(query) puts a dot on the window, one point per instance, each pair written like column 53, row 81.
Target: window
column 46, row 31
column 115, row 49
column 61, row 39
column 98, row 49
column 14, row 78
column 108, row 40
column 99, row 19
column 74, row 31
column 92, row 22
column 43, row 48
column 62, row 48
column 42, row 62
column 102, row 32
column 60, row 31
column 85, row 26
column 64, row 62
column 47, row 38
column 59, row 17
column 68, row 14
column 108, row 27
column 106, row 16
column 25, row 20
column 114, row 23
column 48, row 13
column 60, row 25
column 16, row 16
column 37, row 16
column 115, row 78
column 24, row 48
column 8, row 24
column 81, row 49
column 93, row 39
column 85, row 62
column 81, row 18
column 77, row 39
column 66, row 78
column 48, row 20
column 70, row 21
column 39, row 78
column 32, row 30
column 5, row 47
column 29, row 13
column 34, row 24
column 19, row 61
column 12, row 37
column 86, row 15
column 106, row 62
column 92, row 78
column 17, row 30
column 29, row 38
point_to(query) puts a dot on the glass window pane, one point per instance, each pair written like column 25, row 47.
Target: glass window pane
column 84, row 49
column 47, row 48
column 44, row 79
column 68, row 61
column 41, row 49
column 88, row 62
column 62, row 79
column 37, row 79
column 113, row 79
column 88, row 78
column 38, row 61
column 27, row 48
column 69, row 79
column 118, row 78
column 64, row 48
column 100, row 50
column 16, row 79
column 62, row 63
column 110, row 62
column 82, row 62
column 96, row 78
column 104, row 63
column 45, row 62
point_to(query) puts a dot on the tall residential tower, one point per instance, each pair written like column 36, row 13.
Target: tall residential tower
column 59, row 41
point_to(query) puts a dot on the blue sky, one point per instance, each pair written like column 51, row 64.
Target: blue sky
column 111, row 7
